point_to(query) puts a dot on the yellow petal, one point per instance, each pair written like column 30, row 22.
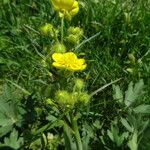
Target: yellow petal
column 70, row 55
column 83, row 67
column 57, row 65
column 55, row 4
column 74, row 11
column 57, row 57
column 80, row 61
column 66, row 4
column 75, row 4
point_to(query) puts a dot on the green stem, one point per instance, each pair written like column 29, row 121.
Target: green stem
column 76, row 132
column 62, row 29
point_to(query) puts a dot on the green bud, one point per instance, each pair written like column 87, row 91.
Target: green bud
column 49, row 102
column 43, row 63
column 131, row 58
column 58, row 48
column 74, row 35
column 79, row 84
column 84, row 98
column 49, row 30
column 130, row 70
column 50, row 136
column 139, row 61
column 73, row 39
column 75, row 31
column 74, row 96
column 63, row 98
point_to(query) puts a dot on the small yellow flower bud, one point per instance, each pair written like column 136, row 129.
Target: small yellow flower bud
column 49, row 30
column 75, row 31
column 79, row 84
column 84, row 98
column 63, row 98
column 73, row 39
column 58, row 48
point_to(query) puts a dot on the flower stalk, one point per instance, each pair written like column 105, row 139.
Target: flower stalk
column 76, row 132
column 62, row 29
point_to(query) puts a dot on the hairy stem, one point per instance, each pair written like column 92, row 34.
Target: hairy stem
column 76, row 132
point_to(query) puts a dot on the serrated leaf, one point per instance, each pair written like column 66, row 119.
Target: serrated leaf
column 13, row 141
column 129, row 96
column 126, row 125
column 133, row 144
column 143, row 109
column 5, row 129
column 9, row 112
column 133, row 92
column 118, row 93
column 109, row 133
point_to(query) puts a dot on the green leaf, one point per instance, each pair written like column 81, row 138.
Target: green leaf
column 126, row 125
column 9, row 111
column 13, row 141
column 68, row 138
column 143, row 109
column 133, row 92
column 133, row 144
column 118, row 95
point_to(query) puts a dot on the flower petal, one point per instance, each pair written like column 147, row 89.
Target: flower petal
column 57, row 57
column 70, row 55
column 81, row 61
column 58, row 65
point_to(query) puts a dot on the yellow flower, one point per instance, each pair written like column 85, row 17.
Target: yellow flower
column 68, row 61
column 66, row 8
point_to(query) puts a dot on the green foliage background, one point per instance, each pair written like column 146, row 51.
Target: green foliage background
column 121, row 28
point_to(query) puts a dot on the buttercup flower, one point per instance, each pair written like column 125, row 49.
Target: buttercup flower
column 68, row 61
column 66, row 8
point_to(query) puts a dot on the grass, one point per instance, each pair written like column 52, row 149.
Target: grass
column 124, row 29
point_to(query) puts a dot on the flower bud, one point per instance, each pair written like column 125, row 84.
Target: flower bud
column 131, row 58
column 43, row 63
column 73, row 39
column 49, row 102
column 79, row 84
column 75, row 31
column 58, row 48
column 49, row 30
column 130, row 70
column 84, row 98
column 139, row 61
column 74, row 96
column 63, row 98
column 50, row 136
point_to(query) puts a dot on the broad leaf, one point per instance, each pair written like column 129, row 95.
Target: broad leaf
column 13, row 141
column 133, row 92
column 144, row 109
column 9, row 111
